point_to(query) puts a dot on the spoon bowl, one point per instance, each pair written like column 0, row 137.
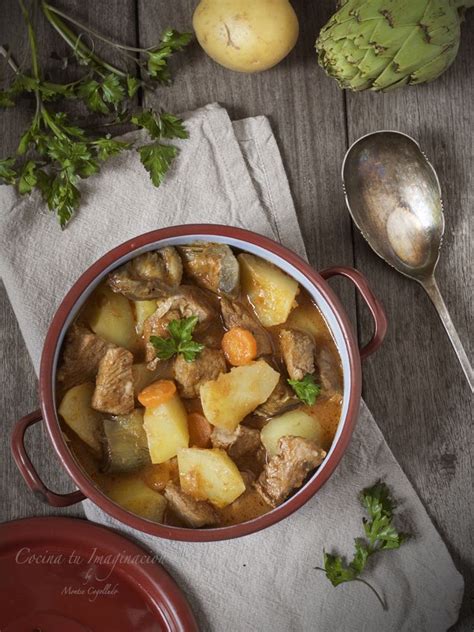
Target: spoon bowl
column 394, row 196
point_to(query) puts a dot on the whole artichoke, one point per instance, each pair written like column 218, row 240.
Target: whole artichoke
column 384, row 44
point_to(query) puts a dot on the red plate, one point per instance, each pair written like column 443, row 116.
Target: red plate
column 67, row 575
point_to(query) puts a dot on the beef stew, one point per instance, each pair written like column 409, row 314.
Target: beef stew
column 199, row 386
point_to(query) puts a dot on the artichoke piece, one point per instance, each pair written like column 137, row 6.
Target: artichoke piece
column 125, row 443
column 164, row 264
column 379, row 45
column 149, row 276
column 212, row 266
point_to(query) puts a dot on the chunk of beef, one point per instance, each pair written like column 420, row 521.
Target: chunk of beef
column 189, row 301
column 329, row 371
column 83, row 351
column 282, row 398
column 247, row 506
column 212, row 266
column 208, row 365
column 194, row 513
column 114, row 393
column 248, row 478
column 151, row 275
column 242, row 440
column 192, row 301
column 298, row 351
column 236, row 315
column 287, row 470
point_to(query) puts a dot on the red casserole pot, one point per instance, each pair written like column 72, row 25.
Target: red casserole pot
column 314, row 282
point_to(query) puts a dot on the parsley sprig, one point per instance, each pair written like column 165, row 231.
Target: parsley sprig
column 380, row 535
column 179, row 342
column 306, row 389
column 53, row 154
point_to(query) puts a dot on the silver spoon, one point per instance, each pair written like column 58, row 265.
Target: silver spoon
column 393, row 194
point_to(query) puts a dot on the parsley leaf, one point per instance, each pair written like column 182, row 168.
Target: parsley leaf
column 149, row 121
column 7, row 173
column 380, row 533
column 157, row 158
column 157, row 64
column 28, row 178
column 107, row 147
column 60, row 154
column 172, row 127
column 132, row 85
column 180, row 341
column 112, row 89
column 61, row 195
column 164, row 125
column 306, row 389
column 89, row 91
column 6, row 99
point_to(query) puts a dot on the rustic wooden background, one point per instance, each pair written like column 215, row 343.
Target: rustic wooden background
column 414, row 385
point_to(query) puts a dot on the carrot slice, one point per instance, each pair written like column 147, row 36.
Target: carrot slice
column 199, row 431
column 239, row 346
column 157, row 393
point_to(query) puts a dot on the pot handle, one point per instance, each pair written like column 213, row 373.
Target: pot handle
column 372, row 302
column 29, row 473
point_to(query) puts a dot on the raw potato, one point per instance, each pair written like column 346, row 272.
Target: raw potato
column 271, row 291
column 110, row 316
column 166, row 427
column 76, row 410
column 246, row 35
column 210, row 474
column 234, row 395
column 143, row 309
column 133, row 494
column 295, row 423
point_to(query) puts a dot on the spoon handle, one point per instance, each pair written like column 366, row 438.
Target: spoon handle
column 433, row 292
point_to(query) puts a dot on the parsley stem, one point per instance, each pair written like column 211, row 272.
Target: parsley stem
column 9, row 59
column 99, row 36
column 382, row 602
column 359, row 579
column 34, row 59
column 74, row 41
column 51, row 124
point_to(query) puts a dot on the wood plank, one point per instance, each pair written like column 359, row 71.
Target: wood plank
column 414, row 385
column 305, row 111
column 17, row 379
column 415, row 376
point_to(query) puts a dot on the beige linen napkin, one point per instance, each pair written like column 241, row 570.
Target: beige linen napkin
column 231, row 173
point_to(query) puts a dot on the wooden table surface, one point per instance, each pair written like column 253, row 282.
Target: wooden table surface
column 414, row 385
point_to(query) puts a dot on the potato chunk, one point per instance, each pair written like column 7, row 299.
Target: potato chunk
column 133, row 494
column 166, row 427
column 209, row 474
column 76, row 410
column 143, row 309
column 110, row 316
column 230, row 398
column 271, row 291
column 295, row 423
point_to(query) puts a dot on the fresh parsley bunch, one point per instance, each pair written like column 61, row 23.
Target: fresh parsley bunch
column 380, row 535
column 180, row 340
column 53, row 154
